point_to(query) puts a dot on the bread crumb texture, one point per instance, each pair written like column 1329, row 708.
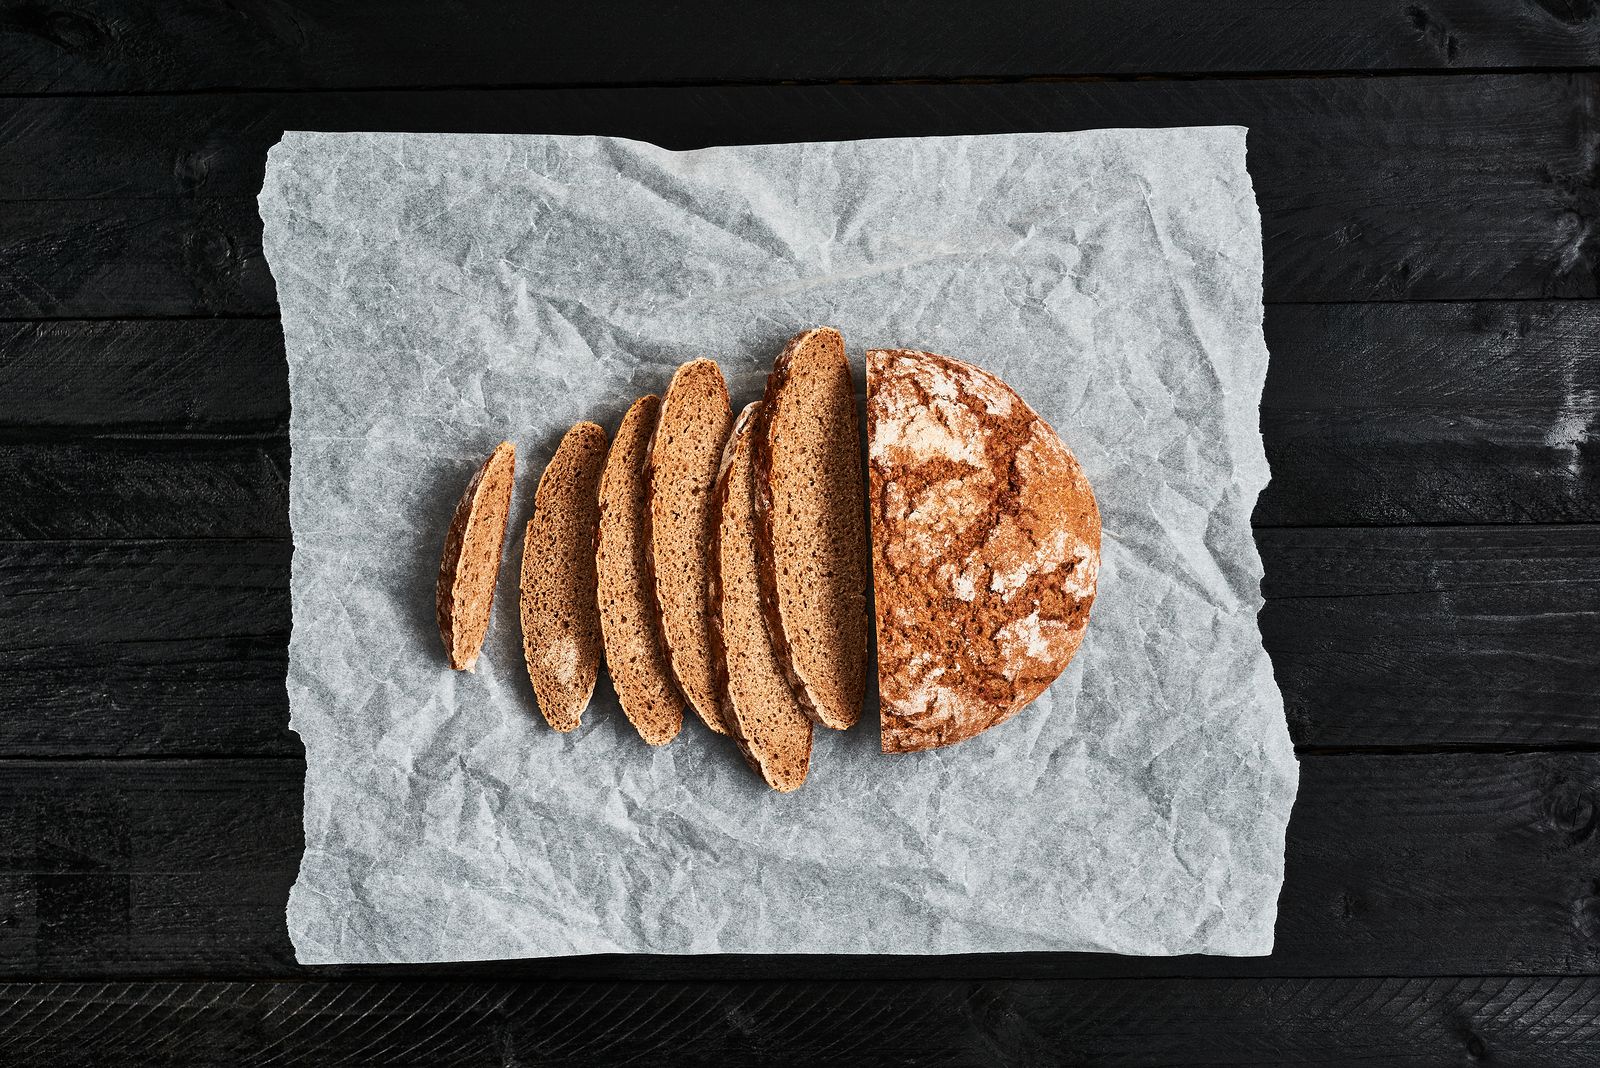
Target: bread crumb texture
column 763, row 716
column 470, row 566
column 816, row 563
column 635, row 654
column 684, row 456
column 986, row 548
column 560, row 613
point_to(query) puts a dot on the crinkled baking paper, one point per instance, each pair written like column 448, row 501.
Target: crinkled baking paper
column 443, row 292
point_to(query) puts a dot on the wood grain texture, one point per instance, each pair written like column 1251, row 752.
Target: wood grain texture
column 1545, row 1020
column 180, row 375
column 146, row 45
column 1488, row 412
column 1435, row 636
column 181, row 868
column 141, row 648
column 1477, row 187
column 1372, row 414
column 1379, row 638
column 143, row 487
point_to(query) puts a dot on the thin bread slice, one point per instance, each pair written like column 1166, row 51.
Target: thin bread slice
column 635, row 655
column 986, row 548
column 684, row 455
column 761, row 712
column 471, row 563
column 810, row 506
column 560, row 616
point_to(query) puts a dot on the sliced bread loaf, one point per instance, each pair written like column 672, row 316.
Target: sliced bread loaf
column 684, row 455
column 761, row 712
column 813, row 533
column 560, row 615
column 471, row 563
column 635, row 655
column 986, row 548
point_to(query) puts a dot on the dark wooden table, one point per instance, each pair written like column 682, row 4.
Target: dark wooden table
column 1429, row 180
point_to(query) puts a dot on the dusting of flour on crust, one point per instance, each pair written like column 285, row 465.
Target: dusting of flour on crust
column 985, row 548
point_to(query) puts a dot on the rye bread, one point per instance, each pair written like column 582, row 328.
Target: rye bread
column 471, row 563
column 812, row 528
column 560, row 615
column 684, row 455
column 635, row 655
column 986, row 548
column 760, row 710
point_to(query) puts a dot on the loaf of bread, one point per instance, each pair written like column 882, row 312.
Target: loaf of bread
column 762, row 715
column 684, row 455
column 635, row 655
column 810, row 496
column 471, row 563
column 986, row 548
column 560, row 613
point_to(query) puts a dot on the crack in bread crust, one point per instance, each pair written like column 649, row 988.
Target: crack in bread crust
column 986, row 547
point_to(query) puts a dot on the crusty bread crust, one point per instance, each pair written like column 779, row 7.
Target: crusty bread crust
column 560, row 614
column 986, row 548
column 684, row 454
column 765, row 720
column 470, row 566
column 815, row 559
column 635, row 655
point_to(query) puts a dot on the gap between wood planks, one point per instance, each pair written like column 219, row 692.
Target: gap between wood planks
column 1331, row 74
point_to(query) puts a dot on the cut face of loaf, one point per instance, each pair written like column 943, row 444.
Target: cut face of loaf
column 684, row 455
column 769, row 725
column 813, row 533
column 986, row 548
column 634, row 651
column 560, row 616
column 471, row 563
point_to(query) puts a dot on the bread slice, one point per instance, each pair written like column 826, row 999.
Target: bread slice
column 684, row 455
column 471, row 563
column 986, row 548
column 635, row 655
column 560, row 616
column 810, row 494
column 761, row 712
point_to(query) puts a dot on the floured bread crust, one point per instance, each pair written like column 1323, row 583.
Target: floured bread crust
column 986, row 548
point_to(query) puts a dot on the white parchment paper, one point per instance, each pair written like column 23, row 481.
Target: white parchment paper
column 442, row 292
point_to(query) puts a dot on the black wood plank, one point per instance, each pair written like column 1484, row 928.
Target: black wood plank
column 1379, row 638
column 204, row 375
column 181, row 868
column 1544, row 1020
column 1371, row 189
column 1372, row 414
column 1435, row 636
column 146, row 487
column 1465, row 413
column 149, row 45
column 144, row 648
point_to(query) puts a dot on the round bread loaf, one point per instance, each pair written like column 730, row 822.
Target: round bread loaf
column 986, row 548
